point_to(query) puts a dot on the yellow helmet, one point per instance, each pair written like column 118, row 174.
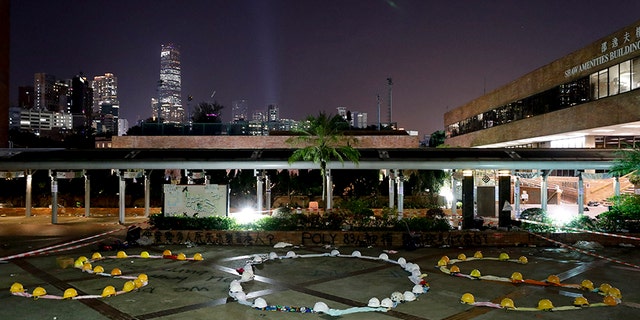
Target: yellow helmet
column 553, row 279
column 181, row 256
column 108, row 291
column 587, row 284
column 462, row 257
column 580, row 301
column 86, row 266
column 478, row 255
column 128, row 286
column 121, row 254
column 96, row 256
column 116, row 272
column 615, row 292
column 138, row 283
column 454, row 269
column 507, row 303
column 38, row 292
column 16, row 287
column 610, row 301
column 166, row 252
column 442, row 263
column 503, row 257
column 144, row 254
column 523, row 260
column 82, row 259
column 143, row 277
column 604, row 288
column 475, row 273
column 545, row 304
column 467, row 298
column 198, row 257
column 516, row 277
column 98, row 269
column 445, row 258
column 69, row 293
column 78, row 263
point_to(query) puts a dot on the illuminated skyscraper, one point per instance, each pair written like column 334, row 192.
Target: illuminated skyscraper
column 170, row 85
column 105, row 103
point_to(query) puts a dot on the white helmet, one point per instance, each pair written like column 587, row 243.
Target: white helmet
column 418, row 289
column 374, row 302
column 410, row 267
column 235, row 286
column 334, row 253
column 383, row 256
column 247, row 275
column 259, row 303
column 387, row 303
column 402, row 262
column 291, row 254
column 257, row 259
column 409, row 296
column 273, row 256
column 240, row 296
column 320, row 307
column 356, row 254
column 397, row 296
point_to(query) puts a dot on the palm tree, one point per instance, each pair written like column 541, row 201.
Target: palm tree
column 320, row 141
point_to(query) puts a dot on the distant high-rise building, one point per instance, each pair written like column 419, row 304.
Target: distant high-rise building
column 81, row 101
column 105, row 103
column 239, row 110
column 273, row 113
column 47, row 92
column 170, row 85
column 25, row 97
column 342, row 111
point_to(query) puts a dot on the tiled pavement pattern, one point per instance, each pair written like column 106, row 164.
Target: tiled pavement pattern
column 199, row 290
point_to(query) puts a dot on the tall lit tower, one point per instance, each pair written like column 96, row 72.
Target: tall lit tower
column 170, row 84
column 105, row 102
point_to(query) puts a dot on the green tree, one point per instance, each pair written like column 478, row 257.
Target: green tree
column 206, row 112
column 322, row 140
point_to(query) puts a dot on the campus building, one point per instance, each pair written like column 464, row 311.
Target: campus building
column 587, row 99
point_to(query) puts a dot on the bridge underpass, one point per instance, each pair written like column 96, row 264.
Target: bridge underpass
column 507, row 164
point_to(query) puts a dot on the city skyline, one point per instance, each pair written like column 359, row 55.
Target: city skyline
column 308, row 56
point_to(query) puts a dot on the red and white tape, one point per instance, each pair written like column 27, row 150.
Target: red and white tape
column 586, row 252
column 581, row 230
column 51, row 248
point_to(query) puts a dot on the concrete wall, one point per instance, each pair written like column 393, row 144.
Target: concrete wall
column 250, row 142
column 391, row 239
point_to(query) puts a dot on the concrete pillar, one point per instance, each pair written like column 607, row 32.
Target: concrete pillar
column 543, row 190
column 616, row 186
column 400, row 195
column 28, row 193
column 392, row 177
column 504, row 197
column 454, row 207
column 121, row 210
column 54, row 197
column 267, row 194
column 329, row 189
column 147, row 194
column 516, row 196
column 580, row 193
column 467, row 200
column 259, row 192
column 87, row 195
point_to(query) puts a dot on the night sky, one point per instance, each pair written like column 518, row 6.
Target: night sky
column 306, row 55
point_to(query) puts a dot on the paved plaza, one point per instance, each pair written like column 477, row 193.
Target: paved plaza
column 200, row 289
